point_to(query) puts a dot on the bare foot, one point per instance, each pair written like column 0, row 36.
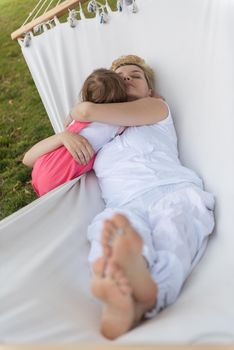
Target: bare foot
column 99, row 267
column 124, row 246
column 118, row 315
column 108, row 233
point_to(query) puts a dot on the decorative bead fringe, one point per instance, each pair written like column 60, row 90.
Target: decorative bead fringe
column 45, row 26
column 132, row 4
column 72, row 20
column 26, row 40
column 92, row 6
column 101, row 11
column 120, row 5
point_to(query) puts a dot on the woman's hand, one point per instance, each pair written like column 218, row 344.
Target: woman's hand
column 81, row 111
column 78, row 146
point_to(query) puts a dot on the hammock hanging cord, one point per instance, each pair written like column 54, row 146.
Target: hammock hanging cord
column 44, row 3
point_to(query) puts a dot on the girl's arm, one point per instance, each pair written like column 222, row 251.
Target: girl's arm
column 77, row 145
column 145, row 111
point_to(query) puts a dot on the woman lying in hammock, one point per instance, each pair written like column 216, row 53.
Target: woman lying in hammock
column 52, row 163
column 157, row 219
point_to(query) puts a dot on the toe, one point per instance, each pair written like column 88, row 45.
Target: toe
column 105, row 242
column 125, row 289
column 109, row 225
column 108, row 232
column 111, row 270
column 120, row 220
column 122, row 281
column 99, row 266
column 105, row 237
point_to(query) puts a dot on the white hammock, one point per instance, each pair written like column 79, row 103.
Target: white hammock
column 44, row 294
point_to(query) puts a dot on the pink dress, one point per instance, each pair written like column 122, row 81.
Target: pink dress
column 58, row 166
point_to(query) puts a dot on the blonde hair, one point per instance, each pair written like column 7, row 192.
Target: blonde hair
column 103, row 86
column 136, row 61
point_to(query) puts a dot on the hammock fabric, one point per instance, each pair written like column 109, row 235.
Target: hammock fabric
column 44, row 294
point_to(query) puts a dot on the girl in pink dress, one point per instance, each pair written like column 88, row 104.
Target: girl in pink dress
column 54, row 167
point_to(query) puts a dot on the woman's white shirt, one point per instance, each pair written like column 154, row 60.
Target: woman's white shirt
column 139, row 160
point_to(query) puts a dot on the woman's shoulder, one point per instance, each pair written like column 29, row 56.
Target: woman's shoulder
column 166, row 122
column 167, row 117
column 157, row 107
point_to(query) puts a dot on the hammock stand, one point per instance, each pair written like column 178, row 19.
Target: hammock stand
column 188, row 43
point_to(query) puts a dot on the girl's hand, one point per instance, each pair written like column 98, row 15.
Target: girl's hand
column 81, row 111
column 78, row 146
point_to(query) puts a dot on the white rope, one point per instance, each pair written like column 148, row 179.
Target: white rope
column 108, row 7
column 48, row 6
column 40, row 9
column 35, row 8
column 58, row 3
column 31, row 13
column 81, row 12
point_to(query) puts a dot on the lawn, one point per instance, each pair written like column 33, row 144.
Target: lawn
column 23, row 120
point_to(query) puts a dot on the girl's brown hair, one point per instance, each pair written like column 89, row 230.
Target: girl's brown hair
column 103, row 86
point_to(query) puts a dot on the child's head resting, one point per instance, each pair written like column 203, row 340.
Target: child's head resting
column 103, row 86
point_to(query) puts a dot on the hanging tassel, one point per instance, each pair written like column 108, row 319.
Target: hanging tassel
column 92, row 6
column 103, row 17
column 27, row 39
column 134, row 7
column 50, row 23
column 37, row 29
column 56, row 21
column 120, row 5
column 45, row 27
column 72, row 18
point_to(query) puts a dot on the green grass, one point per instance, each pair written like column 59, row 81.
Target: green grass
column 23, row 120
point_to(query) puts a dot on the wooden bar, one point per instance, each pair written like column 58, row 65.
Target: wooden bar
column 57, row 11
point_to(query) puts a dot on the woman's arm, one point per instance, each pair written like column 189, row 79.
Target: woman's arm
column 77, row 145
column 145, row 111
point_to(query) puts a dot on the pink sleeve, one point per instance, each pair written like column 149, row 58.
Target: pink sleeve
column 77, row 126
